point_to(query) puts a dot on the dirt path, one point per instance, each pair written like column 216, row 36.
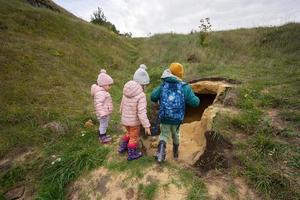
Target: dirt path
column 223, row 186
column 108, row 185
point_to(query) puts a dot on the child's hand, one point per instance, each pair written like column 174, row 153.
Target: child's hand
column 148, row 131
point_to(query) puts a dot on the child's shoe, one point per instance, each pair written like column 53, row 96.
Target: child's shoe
column 134, row 154
column 123, row 147
column 161, row 151
column 105, row 138
column 175, row 151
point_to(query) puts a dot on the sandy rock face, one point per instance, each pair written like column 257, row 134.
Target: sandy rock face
column 197, row 121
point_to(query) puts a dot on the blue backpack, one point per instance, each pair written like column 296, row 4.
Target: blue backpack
column 172, row 102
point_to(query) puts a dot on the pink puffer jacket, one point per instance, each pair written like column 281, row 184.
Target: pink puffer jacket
column 102, row 101
column 134, row 105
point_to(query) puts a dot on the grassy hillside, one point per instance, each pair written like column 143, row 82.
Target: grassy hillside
column 48, row 62
column 49, row 59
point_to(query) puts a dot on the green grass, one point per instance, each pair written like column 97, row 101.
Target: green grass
column 136, row 168
column 269, row 163
column 49, row 60
column 197, row 191
column 75, row 157
column 147, row 192
column 233, row 191
column 196, row 187
column 12, row 176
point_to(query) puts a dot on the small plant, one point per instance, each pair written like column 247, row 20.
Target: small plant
column 233, row 191
column 99, row 18
column 128, row 35
column 197, row 189
column 205, row 29
column 148, row 191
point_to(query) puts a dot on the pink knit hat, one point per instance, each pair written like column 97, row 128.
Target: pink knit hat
column 104, row 78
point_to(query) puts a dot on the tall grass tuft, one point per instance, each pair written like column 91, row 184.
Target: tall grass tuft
column 56, row 176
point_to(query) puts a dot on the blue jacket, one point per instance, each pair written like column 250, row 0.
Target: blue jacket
column 190, row 98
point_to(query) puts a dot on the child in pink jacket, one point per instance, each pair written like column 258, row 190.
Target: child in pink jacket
column 103, row 103
column 134, row 112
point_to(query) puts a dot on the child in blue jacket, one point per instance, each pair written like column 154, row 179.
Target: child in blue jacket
column 173, row 94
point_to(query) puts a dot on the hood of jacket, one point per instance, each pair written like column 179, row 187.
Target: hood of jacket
column 169, row 77
column 96, row 88
column 132, row 89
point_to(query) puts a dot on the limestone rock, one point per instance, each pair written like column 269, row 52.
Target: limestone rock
column 89, row 124
column 5, row 165
column 56, row 127
column 15, row 193
column 230, row 98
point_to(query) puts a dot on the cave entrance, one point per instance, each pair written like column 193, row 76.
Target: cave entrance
column 197, row 121
column 195, row 124
column 195, row 114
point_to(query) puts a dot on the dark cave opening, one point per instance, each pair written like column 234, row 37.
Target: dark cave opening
column 195, row 114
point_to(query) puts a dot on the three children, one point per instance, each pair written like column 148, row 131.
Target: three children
column 172, row 96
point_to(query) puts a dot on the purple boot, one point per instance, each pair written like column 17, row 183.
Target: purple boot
column 134, row 154
column 123, row 147
column 104, row 138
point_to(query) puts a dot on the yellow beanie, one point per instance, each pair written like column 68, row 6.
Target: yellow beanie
column 177, row 70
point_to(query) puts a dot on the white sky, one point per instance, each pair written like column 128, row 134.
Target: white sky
column 141, row 17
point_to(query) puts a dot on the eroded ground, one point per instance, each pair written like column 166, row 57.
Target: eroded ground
column 109, row 185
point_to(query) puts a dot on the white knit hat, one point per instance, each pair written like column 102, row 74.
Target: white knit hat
column 141, row 76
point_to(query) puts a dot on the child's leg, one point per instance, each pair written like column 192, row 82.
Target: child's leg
column 176, row 140
column 134, row 136
column 126, row 135
column 134, row 133
column 124, row 142
column 103, row 125
column 165, row 132
column 102, row 129
column 175, row 134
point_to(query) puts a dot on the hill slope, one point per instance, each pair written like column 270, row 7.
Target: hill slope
column 49, row 60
